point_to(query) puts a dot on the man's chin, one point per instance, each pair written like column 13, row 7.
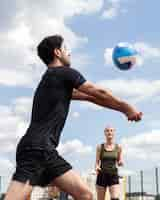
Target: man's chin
column 68, row 64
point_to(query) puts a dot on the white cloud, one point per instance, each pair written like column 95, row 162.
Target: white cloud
column 75, row 114
column 17, row 33
column 22, row 106
column 138, row 90
column 114, row 8
column 18, row 61
column 154, row 123
column 63, row 8
column 126, row 172
column 145, row 146
column 6, row 169
column 13, row 123
column 88, row 105
column 74, row 147
column 146, row 53
column 15, row 77
column 108, row 56
column 27, row 23
column 80, row 60
column 6, row 166
column 110, row 13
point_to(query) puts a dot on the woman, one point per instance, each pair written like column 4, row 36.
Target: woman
column 108, row 157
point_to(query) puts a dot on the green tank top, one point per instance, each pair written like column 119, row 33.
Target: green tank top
column 108, row 159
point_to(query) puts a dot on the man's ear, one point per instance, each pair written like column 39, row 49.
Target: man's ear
column 57, row 52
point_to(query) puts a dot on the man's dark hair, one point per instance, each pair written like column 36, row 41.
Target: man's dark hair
column 46, row 47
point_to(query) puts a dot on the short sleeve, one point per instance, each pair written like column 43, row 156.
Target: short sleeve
column 74, row 77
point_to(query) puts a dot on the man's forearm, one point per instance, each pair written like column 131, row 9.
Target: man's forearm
column 107, row 100
column 101, row 98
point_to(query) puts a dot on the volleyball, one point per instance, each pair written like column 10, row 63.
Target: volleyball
column 124, row 56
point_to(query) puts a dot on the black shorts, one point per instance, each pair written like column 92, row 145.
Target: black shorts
column 39, row 166
column 105, row 179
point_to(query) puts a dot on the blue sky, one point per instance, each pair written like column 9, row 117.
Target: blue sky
column 91, row 28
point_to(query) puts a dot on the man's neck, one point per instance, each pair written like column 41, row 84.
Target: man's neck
column 55, row 64
column 52, row 66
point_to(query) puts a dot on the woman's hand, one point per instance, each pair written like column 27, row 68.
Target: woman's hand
column 97, row 169
column 120, row 163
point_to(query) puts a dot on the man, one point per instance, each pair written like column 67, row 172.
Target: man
column 38, row 162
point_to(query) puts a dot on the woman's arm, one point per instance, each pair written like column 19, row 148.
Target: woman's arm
column 120, row 161
column 98, row 162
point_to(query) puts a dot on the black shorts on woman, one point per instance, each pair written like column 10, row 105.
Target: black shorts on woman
column 105, row 179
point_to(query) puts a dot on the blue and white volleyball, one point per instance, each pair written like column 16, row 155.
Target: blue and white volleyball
column 124, row 56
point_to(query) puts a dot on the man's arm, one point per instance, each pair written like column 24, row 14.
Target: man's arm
column 84, row 96
column 104, row 97
column 77, row 95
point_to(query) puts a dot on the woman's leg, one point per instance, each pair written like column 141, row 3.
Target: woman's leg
column 101, row 191
column 114, row 191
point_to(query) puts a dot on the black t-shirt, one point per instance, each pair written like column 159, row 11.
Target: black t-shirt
column 50, row 106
